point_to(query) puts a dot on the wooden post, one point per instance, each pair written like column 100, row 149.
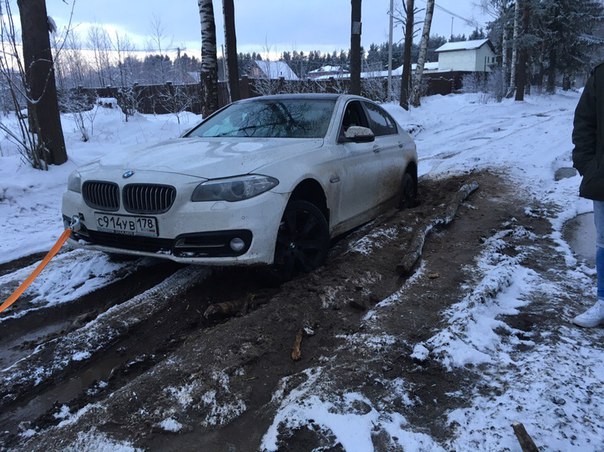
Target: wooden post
column 526, row 442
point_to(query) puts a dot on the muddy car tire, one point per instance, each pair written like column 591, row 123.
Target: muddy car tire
column 302, row 241
column 408, row 196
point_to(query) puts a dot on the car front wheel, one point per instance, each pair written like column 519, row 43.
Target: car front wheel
column 302, row 241
column 408, row 191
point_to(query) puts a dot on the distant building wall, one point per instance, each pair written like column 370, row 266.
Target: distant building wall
column 470, row 56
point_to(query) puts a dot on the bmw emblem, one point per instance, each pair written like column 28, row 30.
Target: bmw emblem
column 128, row 174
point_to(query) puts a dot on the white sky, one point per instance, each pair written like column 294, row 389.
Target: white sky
column 274, row 25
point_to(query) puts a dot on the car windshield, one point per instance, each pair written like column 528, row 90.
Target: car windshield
column 270, row 118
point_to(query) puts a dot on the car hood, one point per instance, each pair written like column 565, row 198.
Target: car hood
column 209, row 157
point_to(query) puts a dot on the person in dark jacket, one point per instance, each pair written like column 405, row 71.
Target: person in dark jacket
column 588, row 158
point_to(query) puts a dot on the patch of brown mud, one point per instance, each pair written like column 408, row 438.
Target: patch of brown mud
column 219, row 383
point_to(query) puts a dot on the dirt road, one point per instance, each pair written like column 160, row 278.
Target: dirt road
column 170, row 357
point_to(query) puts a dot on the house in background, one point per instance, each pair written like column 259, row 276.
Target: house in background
column 468, row 56
column 271, row 70
column 397, row 72
column 327, row 71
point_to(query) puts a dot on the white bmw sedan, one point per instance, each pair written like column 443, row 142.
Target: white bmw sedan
column 268, row 180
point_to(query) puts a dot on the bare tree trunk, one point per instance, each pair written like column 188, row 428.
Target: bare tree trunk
column 551, row 71
column 209, row 60
column 158, row 37
column 423, row 48
column 100, row 42
column 42, row 101
column 505, row 60
column 355, row 47
column 515, row 48
column 406, row 78
column 523, row 55
column 230, row 39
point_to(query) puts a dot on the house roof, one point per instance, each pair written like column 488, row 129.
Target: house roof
column 276, row 69
column 397, row 72
column 327, row 68
column 465, row 45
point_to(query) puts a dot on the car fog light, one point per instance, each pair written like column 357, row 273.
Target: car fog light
column 237, row 244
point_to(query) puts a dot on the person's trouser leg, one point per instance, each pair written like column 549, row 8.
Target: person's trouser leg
column 594, row 316
column 599, row 221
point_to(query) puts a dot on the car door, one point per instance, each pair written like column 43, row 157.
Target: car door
column 388, row 149
column 360, row 167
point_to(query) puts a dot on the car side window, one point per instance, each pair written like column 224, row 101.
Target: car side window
column 353, row 116
column 381, row 122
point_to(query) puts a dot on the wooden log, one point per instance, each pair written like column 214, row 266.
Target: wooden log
column 226, row 309
column 416, row 246
column 526, row 442
column 296, row 351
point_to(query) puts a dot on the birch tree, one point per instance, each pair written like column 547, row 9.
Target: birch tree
column 423, row 50
column 209, row 60
column 515, row 41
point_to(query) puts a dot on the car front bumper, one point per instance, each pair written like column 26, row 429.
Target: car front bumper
column 190, row 232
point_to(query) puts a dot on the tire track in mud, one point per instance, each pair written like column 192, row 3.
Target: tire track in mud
column 175, row 350
column 125, row 339
column 25, row 328
column 55, row 359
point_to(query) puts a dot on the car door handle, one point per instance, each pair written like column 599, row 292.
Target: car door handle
column 377, row 149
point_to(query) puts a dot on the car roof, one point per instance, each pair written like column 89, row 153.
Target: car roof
column 313, row 96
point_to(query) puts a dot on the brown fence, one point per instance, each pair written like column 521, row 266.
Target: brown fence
column 170, row 98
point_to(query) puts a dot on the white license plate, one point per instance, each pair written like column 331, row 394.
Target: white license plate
column 126, row 224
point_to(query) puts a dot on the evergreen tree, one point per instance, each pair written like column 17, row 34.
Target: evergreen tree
column 478, row 33
column 564, row 28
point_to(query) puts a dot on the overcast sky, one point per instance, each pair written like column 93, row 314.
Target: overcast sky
column 276, row 25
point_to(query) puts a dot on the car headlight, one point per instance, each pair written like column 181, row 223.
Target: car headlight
column 74, row 182
column 234, row 188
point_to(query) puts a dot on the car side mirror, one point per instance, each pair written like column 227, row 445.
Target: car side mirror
column 358, row 134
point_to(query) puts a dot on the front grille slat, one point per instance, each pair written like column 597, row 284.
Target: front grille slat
column 101, row 195
column 148, row 198
column 137, row 198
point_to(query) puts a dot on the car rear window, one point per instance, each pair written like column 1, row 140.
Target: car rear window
column 270, row 118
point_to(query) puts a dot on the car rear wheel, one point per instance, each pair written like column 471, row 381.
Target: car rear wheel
column 408, row 191
column 302, row 241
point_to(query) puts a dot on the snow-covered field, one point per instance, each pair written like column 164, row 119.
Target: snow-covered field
column 559, row 384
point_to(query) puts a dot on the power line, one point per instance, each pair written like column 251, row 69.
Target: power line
column 471, row 22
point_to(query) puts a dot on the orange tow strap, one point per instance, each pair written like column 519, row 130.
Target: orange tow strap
column 53, row 251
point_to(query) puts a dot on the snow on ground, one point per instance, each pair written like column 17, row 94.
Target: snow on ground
column 554, row 388
column 528, row 141
column 30, row 201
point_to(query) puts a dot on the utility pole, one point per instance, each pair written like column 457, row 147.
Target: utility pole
column 390, row 29
column 355, row 47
